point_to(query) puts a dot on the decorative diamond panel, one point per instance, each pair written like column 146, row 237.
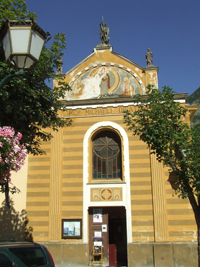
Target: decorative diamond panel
column 106, row 194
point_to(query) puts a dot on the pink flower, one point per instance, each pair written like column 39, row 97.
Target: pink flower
column 7, row 160
column 19, row 136
column 13, row 154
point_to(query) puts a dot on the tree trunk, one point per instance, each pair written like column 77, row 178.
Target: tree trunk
column 7, row 193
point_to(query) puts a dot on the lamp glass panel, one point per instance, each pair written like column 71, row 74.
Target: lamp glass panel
column 23, row 62
column 6, row 45
column 36, row 45
column 29, row 63
column 20, row 40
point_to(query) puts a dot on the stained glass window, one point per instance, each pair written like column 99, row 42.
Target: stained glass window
column 106, row 156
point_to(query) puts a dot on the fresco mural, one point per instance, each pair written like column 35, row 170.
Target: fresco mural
column 103, row 81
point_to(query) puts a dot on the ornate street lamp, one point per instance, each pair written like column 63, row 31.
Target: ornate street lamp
column 22, row 43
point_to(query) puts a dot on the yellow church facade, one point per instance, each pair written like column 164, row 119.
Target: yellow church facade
column 98, row 195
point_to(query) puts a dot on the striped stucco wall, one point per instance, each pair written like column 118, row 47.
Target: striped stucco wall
column 180, row 218
column 141, row 191
column 55, row 187
column 38, row 193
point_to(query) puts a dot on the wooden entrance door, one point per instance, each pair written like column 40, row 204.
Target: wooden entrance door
column 114, row 220
column 95, row 229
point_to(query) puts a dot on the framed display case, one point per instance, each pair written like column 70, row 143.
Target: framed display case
column 71, row 228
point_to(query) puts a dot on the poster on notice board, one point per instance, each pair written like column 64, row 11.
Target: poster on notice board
column 97, row 215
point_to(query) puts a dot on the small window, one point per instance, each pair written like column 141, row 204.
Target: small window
column 30, row 256
column 106, row 156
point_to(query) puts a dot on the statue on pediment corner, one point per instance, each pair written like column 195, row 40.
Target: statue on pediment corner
column 149, row 56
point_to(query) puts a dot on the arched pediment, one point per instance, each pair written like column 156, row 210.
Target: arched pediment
column 107, row 74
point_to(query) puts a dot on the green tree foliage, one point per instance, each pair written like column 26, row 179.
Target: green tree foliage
column 27, row 103
column 159, row 121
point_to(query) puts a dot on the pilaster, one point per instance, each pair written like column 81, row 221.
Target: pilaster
column 55, row 186
column 159, row 201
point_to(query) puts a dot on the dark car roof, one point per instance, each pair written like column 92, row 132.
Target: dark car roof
column 16, row 244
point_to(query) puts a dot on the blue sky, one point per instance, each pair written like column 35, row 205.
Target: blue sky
column 171, row 29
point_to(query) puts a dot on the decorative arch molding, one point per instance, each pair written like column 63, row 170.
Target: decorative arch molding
column 126, row 202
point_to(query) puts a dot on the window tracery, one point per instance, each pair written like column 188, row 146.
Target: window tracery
column 106, row 156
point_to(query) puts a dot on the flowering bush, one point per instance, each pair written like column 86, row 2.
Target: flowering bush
column 12, row 153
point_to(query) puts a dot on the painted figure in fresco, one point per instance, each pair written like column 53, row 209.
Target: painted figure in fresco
column 92, row 85
column 79, row 90
column 127, row 89
column 104, row 32
column 105, row 84
column 149, row 56
column 105, row 81
column 102, row 81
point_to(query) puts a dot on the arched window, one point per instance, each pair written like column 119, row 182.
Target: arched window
column 106, row 156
